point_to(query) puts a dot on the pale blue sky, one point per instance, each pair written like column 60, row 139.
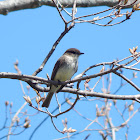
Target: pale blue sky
column 28, row 35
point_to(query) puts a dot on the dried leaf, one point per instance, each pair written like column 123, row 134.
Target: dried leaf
column 73, row 130
column 135, row 49
column 131, row 108
column 37, row 100
column 110, row 21
column 131, row 51
column 6, row 103
column 27, row 125
column 65, row 129
column 27, row 99
column 125, row 2
column 136, row 7
column 103, row 68
column 135, row 75
column 96, row 18
column 128, row 15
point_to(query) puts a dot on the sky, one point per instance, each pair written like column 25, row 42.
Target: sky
column 28, row 35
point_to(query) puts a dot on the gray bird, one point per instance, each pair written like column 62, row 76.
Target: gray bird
column 65, row 67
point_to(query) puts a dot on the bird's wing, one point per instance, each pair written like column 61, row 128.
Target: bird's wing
column 58, row 64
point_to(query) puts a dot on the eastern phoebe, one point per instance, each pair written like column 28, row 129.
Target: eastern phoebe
column 65, row 67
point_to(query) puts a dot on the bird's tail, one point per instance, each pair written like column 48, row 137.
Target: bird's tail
column 47, row 101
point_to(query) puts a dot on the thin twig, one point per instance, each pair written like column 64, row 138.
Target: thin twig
column 69, row 108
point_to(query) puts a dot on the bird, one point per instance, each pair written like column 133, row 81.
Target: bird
column 65, row 67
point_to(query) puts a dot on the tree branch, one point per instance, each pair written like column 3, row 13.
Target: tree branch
column 14, row 5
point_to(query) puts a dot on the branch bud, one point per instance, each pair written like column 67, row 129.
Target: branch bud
column 6, row 103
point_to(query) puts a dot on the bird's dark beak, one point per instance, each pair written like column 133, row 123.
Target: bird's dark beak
column 81, row 53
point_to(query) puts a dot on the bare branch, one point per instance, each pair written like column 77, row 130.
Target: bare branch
column 14, row 119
